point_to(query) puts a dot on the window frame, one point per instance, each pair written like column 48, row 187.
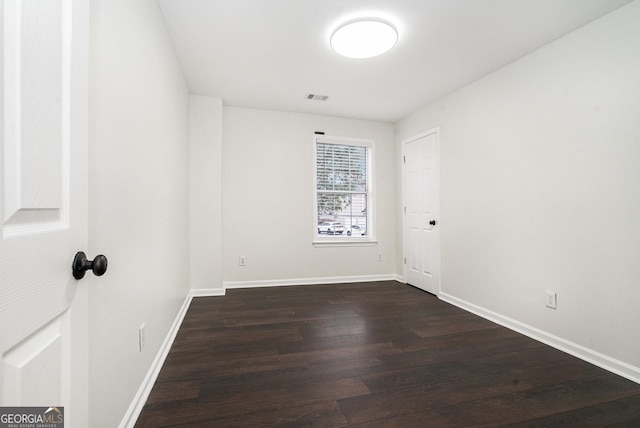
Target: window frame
column 332, row 240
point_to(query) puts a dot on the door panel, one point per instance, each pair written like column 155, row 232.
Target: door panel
column 43, row 201
column 427, row 253
column 26, row 377
column 421, row 197
column 34, row 105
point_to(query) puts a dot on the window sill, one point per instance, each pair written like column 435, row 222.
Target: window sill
column 344, row 243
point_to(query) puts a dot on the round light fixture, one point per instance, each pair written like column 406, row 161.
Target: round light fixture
column 364, row 38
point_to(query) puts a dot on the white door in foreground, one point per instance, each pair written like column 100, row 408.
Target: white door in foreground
column 43, row 205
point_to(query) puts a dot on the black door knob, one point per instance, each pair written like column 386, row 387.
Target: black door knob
column 432, row 222
column 80, row 265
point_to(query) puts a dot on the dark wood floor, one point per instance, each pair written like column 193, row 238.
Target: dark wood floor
column 371, row 354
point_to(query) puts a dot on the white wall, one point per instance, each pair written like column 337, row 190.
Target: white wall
column 205, row 171
column 138, row 198
column 268, row 199
column 541, row 188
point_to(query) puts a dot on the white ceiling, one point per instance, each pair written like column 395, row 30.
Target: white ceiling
column 269, row 54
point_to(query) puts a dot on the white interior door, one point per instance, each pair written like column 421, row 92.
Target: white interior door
column 421, row 211
column 43, row 204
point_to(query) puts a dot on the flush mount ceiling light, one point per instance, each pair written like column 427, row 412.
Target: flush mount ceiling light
column 364, row 38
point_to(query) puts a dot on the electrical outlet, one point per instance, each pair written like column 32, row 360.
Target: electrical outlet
column 142, row 336
column 242, row 261
column 379, row 256
column 551, row 300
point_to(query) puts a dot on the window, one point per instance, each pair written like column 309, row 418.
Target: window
column 343, row 191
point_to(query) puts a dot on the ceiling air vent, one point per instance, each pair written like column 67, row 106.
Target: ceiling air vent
column 317, row 97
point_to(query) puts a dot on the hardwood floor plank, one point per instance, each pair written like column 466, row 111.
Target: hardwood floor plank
column 576, row 394
column 624, row 412
column 488, row 412
column 429, row 418
column 174, row 391
column 429, row 395
column 317, row 415
column 202, row 365
column 215, row 404
column 290, row 376
column 462, row 353
column 469, row 338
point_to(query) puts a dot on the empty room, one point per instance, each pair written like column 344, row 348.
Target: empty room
column 321, row 213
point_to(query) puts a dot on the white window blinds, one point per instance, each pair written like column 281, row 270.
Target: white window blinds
column 342, row 189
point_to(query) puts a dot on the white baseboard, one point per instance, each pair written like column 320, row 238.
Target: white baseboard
column 310, row 281
column 594, row 357
column 207, row 292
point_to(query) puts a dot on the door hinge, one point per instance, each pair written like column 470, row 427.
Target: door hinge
column 405, row 210
column 404, row 159
column 405, row 260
